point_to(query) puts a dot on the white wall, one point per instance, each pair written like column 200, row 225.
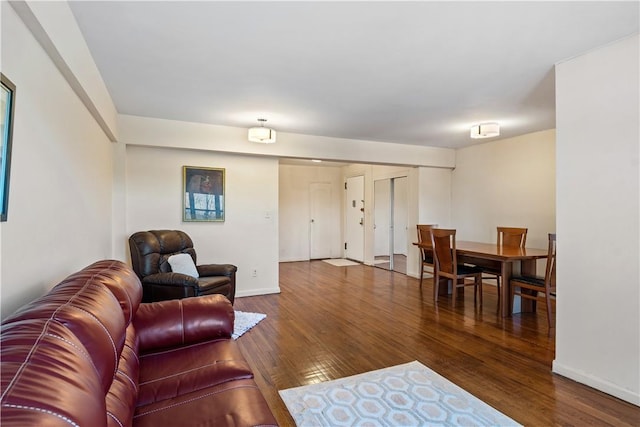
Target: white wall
column 510, row 182
column 381, row 216
column 248, row 238
column 435, row 196
column 54, row 26
column 201, row 136
column 59, row 217
column 598, row 306
column 429, row 203
column 294, row 198
column 401, row 230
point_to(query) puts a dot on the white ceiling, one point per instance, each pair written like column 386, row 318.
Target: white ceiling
column 405, row 72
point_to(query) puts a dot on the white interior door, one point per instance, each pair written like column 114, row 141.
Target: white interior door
column 354, row 222
column 319, row 223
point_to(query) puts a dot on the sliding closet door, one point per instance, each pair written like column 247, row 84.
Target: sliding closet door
column 390, row 223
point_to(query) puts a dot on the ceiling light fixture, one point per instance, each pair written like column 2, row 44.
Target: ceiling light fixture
column 262, row 134
column 485, row 130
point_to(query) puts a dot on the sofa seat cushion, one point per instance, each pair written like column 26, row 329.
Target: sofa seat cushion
column 214, row 283
column 233, row 403
column 170, row 373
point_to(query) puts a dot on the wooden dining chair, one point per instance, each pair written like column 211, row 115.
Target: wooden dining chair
column 539, row 288
column 426, row 254
column 513, row 237
column 446, row 266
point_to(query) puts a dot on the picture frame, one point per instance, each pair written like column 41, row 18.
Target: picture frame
column 203, row 194
column 7, row 108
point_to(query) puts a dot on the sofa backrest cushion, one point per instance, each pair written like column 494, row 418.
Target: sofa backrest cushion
column 119, row 278
column 184, row 321
column 123, row 393
column 48, row 377
column 90, row 310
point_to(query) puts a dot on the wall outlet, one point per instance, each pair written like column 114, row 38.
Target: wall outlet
column 254, row 273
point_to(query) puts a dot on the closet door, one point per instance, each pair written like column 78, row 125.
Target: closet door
column 390, row 227
column 319, row 225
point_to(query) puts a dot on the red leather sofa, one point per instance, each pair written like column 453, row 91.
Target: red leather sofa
column 88, row 353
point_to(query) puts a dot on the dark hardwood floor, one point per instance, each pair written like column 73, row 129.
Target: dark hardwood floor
column 331, row 322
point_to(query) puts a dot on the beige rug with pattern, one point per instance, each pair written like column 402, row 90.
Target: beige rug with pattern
column 340, row 262
column 405, row 395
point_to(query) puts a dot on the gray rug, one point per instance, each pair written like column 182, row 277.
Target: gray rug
column 404, row 395
column 245, row 321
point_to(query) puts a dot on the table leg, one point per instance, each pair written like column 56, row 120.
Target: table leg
column 505, row 297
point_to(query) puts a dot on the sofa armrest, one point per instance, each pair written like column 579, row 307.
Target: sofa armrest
column 206, row 270
column 185, row 321
column 170, row 279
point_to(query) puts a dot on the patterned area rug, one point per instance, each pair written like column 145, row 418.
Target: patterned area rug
column 403, row 395
column 245, row 321
column 340, row 262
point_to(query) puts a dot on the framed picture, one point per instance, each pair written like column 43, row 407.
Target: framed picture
column 203, row 194
column 7, row 102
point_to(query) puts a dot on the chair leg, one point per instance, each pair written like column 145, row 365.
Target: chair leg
column 499, row 291
column 436, row 286
column 454, row 285
column 421, row 273
column 549, row 309
column 479, row 281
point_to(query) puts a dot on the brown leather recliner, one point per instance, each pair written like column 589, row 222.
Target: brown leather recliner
column 150, row 251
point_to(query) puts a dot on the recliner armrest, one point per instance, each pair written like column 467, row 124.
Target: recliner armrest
column 206, row 270
column 170, row 279
column 172, row 323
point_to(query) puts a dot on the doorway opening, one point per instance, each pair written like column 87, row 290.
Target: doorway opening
column 391, row 224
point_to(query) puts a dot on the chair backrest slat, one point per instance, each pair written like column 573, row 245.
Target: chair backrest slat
column 513, row 237
column 444, row 249
column 424, row 233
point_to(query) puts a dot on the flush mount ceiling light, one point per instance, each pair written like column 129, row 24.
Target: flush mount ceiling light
column 485, row 130
column 262, row 134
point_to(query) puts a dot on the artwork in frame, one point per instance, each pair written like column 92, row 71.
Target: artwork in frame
column 203, row 194
column 7, row 107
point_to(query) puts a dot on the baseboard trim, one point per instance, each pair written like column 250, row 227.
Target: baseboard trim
column 597, row 383
column 256, row 292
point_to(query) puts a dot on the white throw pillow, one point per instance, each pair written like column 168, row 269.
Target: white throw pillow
column 183, row 263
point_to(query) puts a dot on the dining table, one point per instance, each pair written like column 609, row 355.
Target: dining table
column 506, row 259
